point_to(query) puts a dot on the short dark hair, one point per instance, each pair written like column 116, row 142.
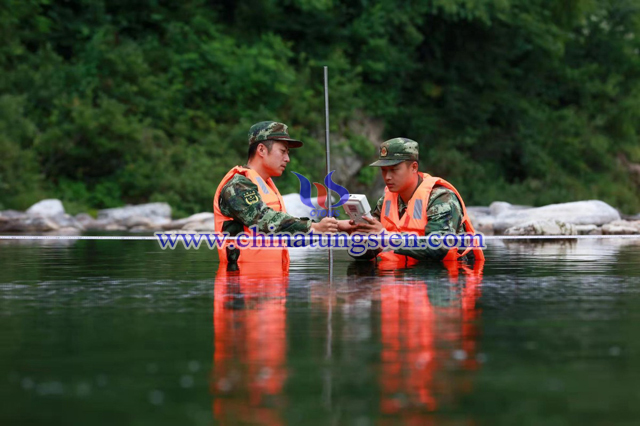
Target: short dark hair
column 254, row 147
column 410, row 162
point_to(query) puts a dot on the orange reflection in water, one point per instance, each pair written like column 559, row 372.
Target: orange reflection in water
column 428, row 336
column 249, row 320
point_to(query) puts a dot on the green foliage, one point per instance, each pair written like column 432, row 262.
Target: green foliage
column 106, row 102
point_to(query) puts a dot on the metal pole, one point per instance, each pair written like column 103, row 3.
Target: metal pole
column 326, row 134
column 328, row 163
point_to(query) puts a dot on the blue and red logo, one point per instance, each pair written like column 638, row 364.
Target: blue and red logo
column 324, row 195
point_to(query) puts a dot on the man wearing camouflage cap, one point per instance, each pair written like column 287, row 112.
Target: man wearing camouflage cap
column 416, row 202
column 247, row 196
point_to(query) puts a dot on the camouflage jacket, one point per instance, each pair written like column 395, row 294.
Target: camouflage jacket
column 444, row 214
column 233, row 204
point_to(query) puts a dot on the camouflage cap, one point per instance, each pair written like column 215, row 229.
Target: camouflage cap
column 270, row 130
column 395, row 151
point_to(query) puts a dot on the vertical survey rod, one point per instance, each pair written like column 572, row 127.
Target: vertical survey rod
column 328, row 385
column 326, row 134
column 328, row 162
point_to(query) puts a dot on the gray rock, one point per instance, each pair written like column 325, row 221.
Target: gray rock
column 158, row 213
column 484, row 224
column 478, row 211
column 204, row 226
column 29, row 224
column 297, row 208
column 67, row 221
column 114, row 227
column 178, row 224
column 543, row 227
column 97, row 225
column 499, row 207
column 46, row 208
column 621, row 227
column 586, row 229
column 84, row 218
column 140, row 229
column 591, row 212
column 138, row 222
column 12, row 214
column 4, row 223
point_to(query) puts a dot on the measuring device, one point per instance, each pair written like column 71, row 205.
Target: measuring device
column 357, row 207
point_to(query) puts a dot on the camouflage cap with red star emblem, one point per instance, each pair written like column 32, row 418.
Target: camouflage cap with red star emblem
column 395, row 151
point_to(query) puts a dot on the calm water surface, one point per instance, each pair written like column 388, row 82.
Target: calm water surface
column 122, row 332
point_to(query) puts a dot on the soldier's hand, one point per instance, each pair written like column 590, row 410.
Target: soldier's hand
column 370, row 226
column 348, row 226
column 326, row 225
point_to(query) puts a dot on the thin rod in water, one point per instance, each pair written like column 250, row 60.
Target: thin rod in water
column 326, row 134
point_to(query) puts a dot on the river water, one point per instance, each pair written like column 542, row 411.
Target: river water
column 122, row 332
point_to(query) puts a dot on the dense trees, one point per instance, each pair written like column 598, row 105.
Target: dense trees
column 111, row 101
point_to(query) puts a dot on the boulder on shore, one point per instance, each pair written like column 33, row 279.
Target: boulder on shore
column 46, row 208
column 622, row 227
column 151, row 215
column 592, row 212
column 542, row 227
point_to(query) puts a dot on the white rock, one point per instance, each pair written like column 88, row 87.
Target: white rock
column 35, row 224
column 205, row 226
column 498, row 207
column 542, row 227
column 67, row 221
column 158, row 213
column 138, row 221
column 621, row 227
column 295, row 207
column 591, row 212
column 46, row 208
column 586, row 229
column 12, row 214
column 114, row 227
column 178, row 224
column 478, row 211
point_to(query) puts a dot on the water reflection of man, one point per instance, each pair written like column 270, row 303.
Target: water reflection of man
column 429, row 334
column 249, row 319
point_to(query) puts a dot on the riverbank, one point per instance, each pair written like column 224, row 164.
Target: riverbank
column 591, row 217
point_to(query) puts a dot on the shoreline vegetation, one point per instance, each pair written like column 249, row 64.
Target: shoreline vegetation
column 106, row 103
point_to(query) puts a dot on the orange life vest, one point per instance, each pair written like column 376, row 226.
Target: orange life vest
column 415, row 218
column 272, row 198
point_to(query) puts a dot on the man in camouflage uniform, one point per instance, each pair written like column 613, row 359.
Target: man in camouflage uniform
column 399, row 165
column 268, row 154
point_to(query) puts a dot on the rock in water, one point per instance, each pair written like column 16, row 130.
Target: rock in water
column 622, row 227
column 592, row 212
column 157, row 213
column 542, row 227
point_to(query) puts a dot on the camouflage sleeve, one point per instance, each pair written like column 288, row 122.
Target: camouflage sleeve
column 371, row 254
column 378, row 208
column 444, row 214
column 241, row 200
